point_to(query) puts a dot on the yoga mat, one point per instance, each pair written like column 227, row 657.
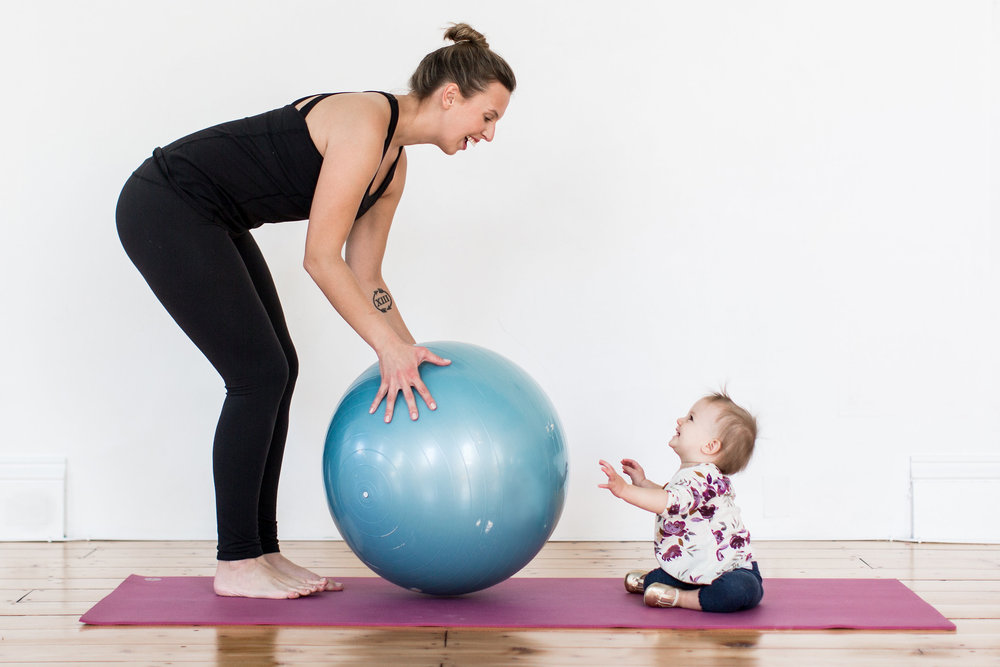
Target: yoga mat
column 789, row 604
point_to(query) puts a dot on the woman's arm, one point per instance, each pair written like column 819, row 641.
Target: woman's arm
column 355, row 148
column 364, row 253
column 365, row 250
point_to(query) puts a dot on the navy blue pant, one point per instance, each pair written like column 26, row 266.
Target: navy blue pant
column 734, row 591
column 216, row 286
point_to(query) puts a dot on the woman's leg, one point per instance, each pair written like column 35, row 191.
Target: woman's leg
column 267, row 524
column 260, row 275
column 195, row 270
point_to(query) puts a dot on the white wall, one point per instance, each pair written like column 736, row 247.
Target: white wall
column 794, row 198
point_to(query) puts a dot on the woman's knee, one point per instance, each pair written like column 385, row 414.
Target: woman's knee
column 275, row 375
column 265, row 376
column 292, row 360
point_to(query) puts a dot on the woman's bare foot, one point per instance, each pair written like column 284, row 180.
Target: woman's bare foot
column 255, row 578
column 301, row 574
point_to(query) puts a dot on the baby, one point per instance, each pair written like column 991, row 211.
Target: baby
column 701, row 545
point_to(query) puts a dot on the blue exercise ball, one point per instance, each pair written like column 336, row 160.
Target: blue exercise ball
column 460, row 499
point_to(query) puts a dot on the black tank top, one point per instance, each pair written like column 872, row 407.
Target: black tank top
column 260, row 169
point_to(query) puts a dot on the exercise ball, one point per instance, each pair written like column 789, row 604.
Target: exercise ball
column 463, row 497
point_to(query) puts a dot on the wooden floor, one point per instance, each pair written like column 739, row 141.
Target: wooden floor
column 46, row 587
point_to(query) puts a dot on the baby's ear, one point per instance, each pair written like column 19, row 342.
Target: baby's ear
column 712, row 447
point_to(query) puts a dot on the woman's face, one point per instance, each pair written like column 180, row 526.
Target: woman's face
column 469, row 120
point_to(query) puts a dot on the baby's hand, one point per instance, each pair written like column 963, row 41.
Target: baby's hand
column 616, row 484
column 634, row 471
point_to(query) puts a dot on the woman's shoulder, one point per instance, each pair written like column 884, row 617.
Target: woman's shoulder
column 346, row 119
column 349, row 106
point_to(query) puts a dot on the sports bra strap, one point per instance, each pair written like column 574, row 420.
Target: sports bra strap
column 393, row 119
column 393, row 108
column 311, row 103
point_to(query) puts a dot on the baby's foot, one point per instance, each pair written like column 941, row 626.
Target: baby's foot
column 315, row 582
column 254, row 578
column 635, row 581
column 661, row 595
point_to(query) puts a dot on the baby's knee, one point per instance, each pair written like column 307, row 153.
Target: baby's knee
column 734, row 591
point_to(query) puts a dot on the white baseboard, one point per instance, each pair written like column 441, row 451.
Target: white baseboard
column 32, row 498
column 953, row 497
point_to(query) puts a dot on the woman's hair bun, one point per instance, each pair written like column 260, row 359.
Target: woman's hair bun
column 463, row 32
column 469, row 62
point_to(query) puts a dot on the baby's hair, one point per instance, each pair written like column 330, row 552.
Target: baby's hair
column 737, row 433
column 469, row 63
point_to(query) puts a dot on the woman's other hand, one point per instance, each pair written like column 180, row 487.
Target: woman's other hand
column 399, row 365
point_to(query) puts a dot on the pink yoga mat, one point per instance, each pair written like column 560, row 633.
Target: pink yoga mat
column 789, row 604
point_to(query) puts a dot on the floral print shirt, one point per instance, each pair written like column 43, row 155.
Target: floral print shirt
column 700, row 536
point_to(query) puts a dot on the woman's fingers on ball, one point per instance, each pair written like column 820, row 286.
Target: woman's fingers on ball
column 425, row 394
column 411, row 401
column 406, row 383
column 424, row 354
column 378, row 399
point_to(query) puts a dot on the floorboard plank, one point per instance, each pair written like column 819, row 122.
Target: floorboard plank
column 44, row 587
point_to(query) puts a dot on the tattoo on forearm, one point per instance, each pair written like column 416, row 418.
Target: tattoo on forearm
column 382, row 300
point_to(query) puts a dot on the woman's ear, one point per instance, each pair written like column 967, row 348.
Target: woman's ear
column 449, row 94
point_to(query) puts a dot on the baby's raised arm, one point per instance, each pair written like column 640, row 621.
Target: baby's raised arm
column 651, row 498
column 638, row 476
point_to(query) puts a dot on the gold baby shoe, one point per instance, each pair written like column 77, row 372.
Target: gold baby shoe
column 634, row 581
column 661, row 595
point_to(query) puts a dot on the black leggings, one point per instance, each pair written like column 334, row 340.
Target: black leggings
column 217, row 287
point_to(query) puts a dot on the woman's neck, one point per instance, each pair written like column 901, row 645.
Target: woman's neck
column 415, row 124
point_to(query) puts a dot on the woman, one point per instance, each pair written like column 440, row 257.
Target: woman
column 184, row 219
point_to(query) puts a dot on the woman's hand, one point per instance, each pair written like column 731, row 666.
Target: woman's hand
column 399, row 364
column 634, row 471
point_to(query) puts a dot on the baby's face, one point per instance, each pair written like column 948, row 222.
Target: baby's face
column 694, row 430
